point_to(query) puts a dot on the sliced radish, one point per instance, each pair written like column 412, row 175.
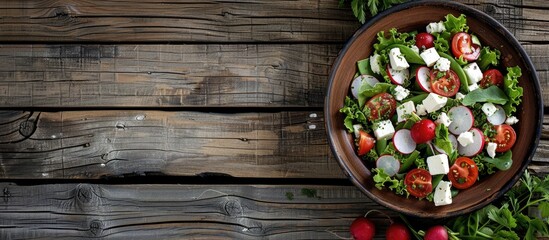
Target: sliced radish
column 454, row 142
column 389, row 164
column 359, row 81
column 423, row 78
column 398, row 76
column 498, row 117
column 403, row 142
column 462, row 119
column 475, row 147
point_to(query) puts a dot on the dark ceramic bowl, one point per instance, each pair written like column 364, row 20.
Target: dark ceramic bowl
column 415, row 16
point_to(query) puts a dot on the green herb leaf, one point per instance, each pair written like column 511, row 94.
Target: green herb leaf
column 503, row 216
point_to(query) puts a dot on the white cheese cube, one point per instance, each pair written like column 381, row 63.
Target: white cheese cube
column 375, row 64
column 438, row 164
column 401, row 93
column 472, row 87
column 434, row 102
column 384, row 130
column 404, row 110
column 489, row 109
column 511, row 120
column 473, row 72
column 465, row 138
column 442, row 64
column 491, row 149
column 460, row 96
column 398, row 62
column 443, row 119
column 356, row 129
column 420, row 110
column 430, row 56
column 435, row 27
column 443, row 193
column 415, row 49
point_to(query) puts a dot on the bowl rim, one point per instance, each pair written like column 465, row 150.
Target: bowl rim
column 490, row 22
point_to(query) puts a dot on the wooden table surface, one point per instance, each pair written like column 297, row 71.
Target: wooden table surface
column 182, row 119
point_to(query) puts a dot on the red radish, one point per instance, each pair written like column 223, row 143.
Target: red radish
column 436, row 233
column 462, row 119
column 423, row 78
column 359, row 81
column 498, row 117
column 425, row 40
column 362, row 229
column 454, row 142
column 474, row 148
column 423, row 131
column 398, row 231
column 403, row 142
column 398, row 76
column 389, row 164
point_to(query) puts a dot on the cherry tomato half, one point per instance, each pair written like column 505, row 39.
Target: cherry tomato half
column 365, row 142
column 418, row 182
column 491, row 77
column 423, row 131
column 464, row 173
column 425, row 40
column 444, row 83
column 463, row 46
column 381, row 107
column 505, row 137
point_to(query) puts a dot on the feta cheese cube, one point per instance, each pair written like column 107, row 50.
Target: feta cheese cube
column 401, row 93
column 430, row 56
column 356, row 129
column 404, row 110
column 442, row 64
column 460, row 96
column 375, row 64
column 438, row 164
column 473, row 72
column 443, row 193
column 472, row 87
column 435, row 27
column 384, row 130
column 491, row 149
column 434, row 102
column 415, row 49
column 443, row 119
column 465, row 138
column 489, row 109
column 511, row 120
column 420, row 110
column 398, row 62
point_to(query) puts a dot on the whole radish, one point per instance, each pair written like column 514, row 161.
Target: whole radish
column 362, row 229
column 398, row 231
column 437, row 232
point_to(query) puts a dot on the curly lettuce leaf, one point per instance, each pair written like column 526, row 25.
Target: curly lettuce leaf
column 488, row 57
column 511, row 88
column 353, row 113
column 394, row 37
column 441, row 41
column 456, row 24
column 383, row 180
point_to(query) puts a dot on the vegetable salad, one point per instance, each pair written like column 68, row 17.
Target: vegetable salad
column 432, row 111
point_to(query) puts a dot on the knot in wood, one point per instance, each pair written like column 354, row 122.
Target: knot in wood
column 27, row 128
column 84, row 193
column 490, row 9
column 233, row 208
column 96, row 227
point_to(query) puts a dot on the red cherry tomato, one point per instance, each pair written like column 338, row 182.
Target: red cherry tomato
column 462, row 46
column 362, row 229
column 464, row 173
column 444, row 83
column 505, row 137
column 365, row 142
column 418, row 182
column 423, row 131
column 381, row 107
column 425, row 40
column 491, row 77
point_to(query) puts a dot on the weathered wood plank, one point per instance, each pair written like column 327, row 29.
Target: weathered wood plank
column 164, row 75
column 92, row 144
column 95, row 144
column 176, row 21
column 83, row 211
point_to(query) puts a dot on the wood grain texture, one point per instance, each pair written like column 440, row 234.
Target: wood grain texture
column 96, row 144
column 86, row 211
column 78, row 75
column 175, row 21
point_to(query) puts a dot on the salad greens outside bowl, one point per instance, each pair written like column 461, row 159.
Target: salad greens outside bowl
column 414, row 16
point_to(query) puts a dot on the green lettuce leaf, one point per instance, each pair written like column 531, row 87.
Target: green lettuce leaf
column 488, row 57
column 442, row 41
column 366, row 91
column 511, row 88
column 492, row 94
column 502, row 162
column 456, row 24
column 353, row 113
column 383, row 180
column 394, row 38
column 443, row 142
